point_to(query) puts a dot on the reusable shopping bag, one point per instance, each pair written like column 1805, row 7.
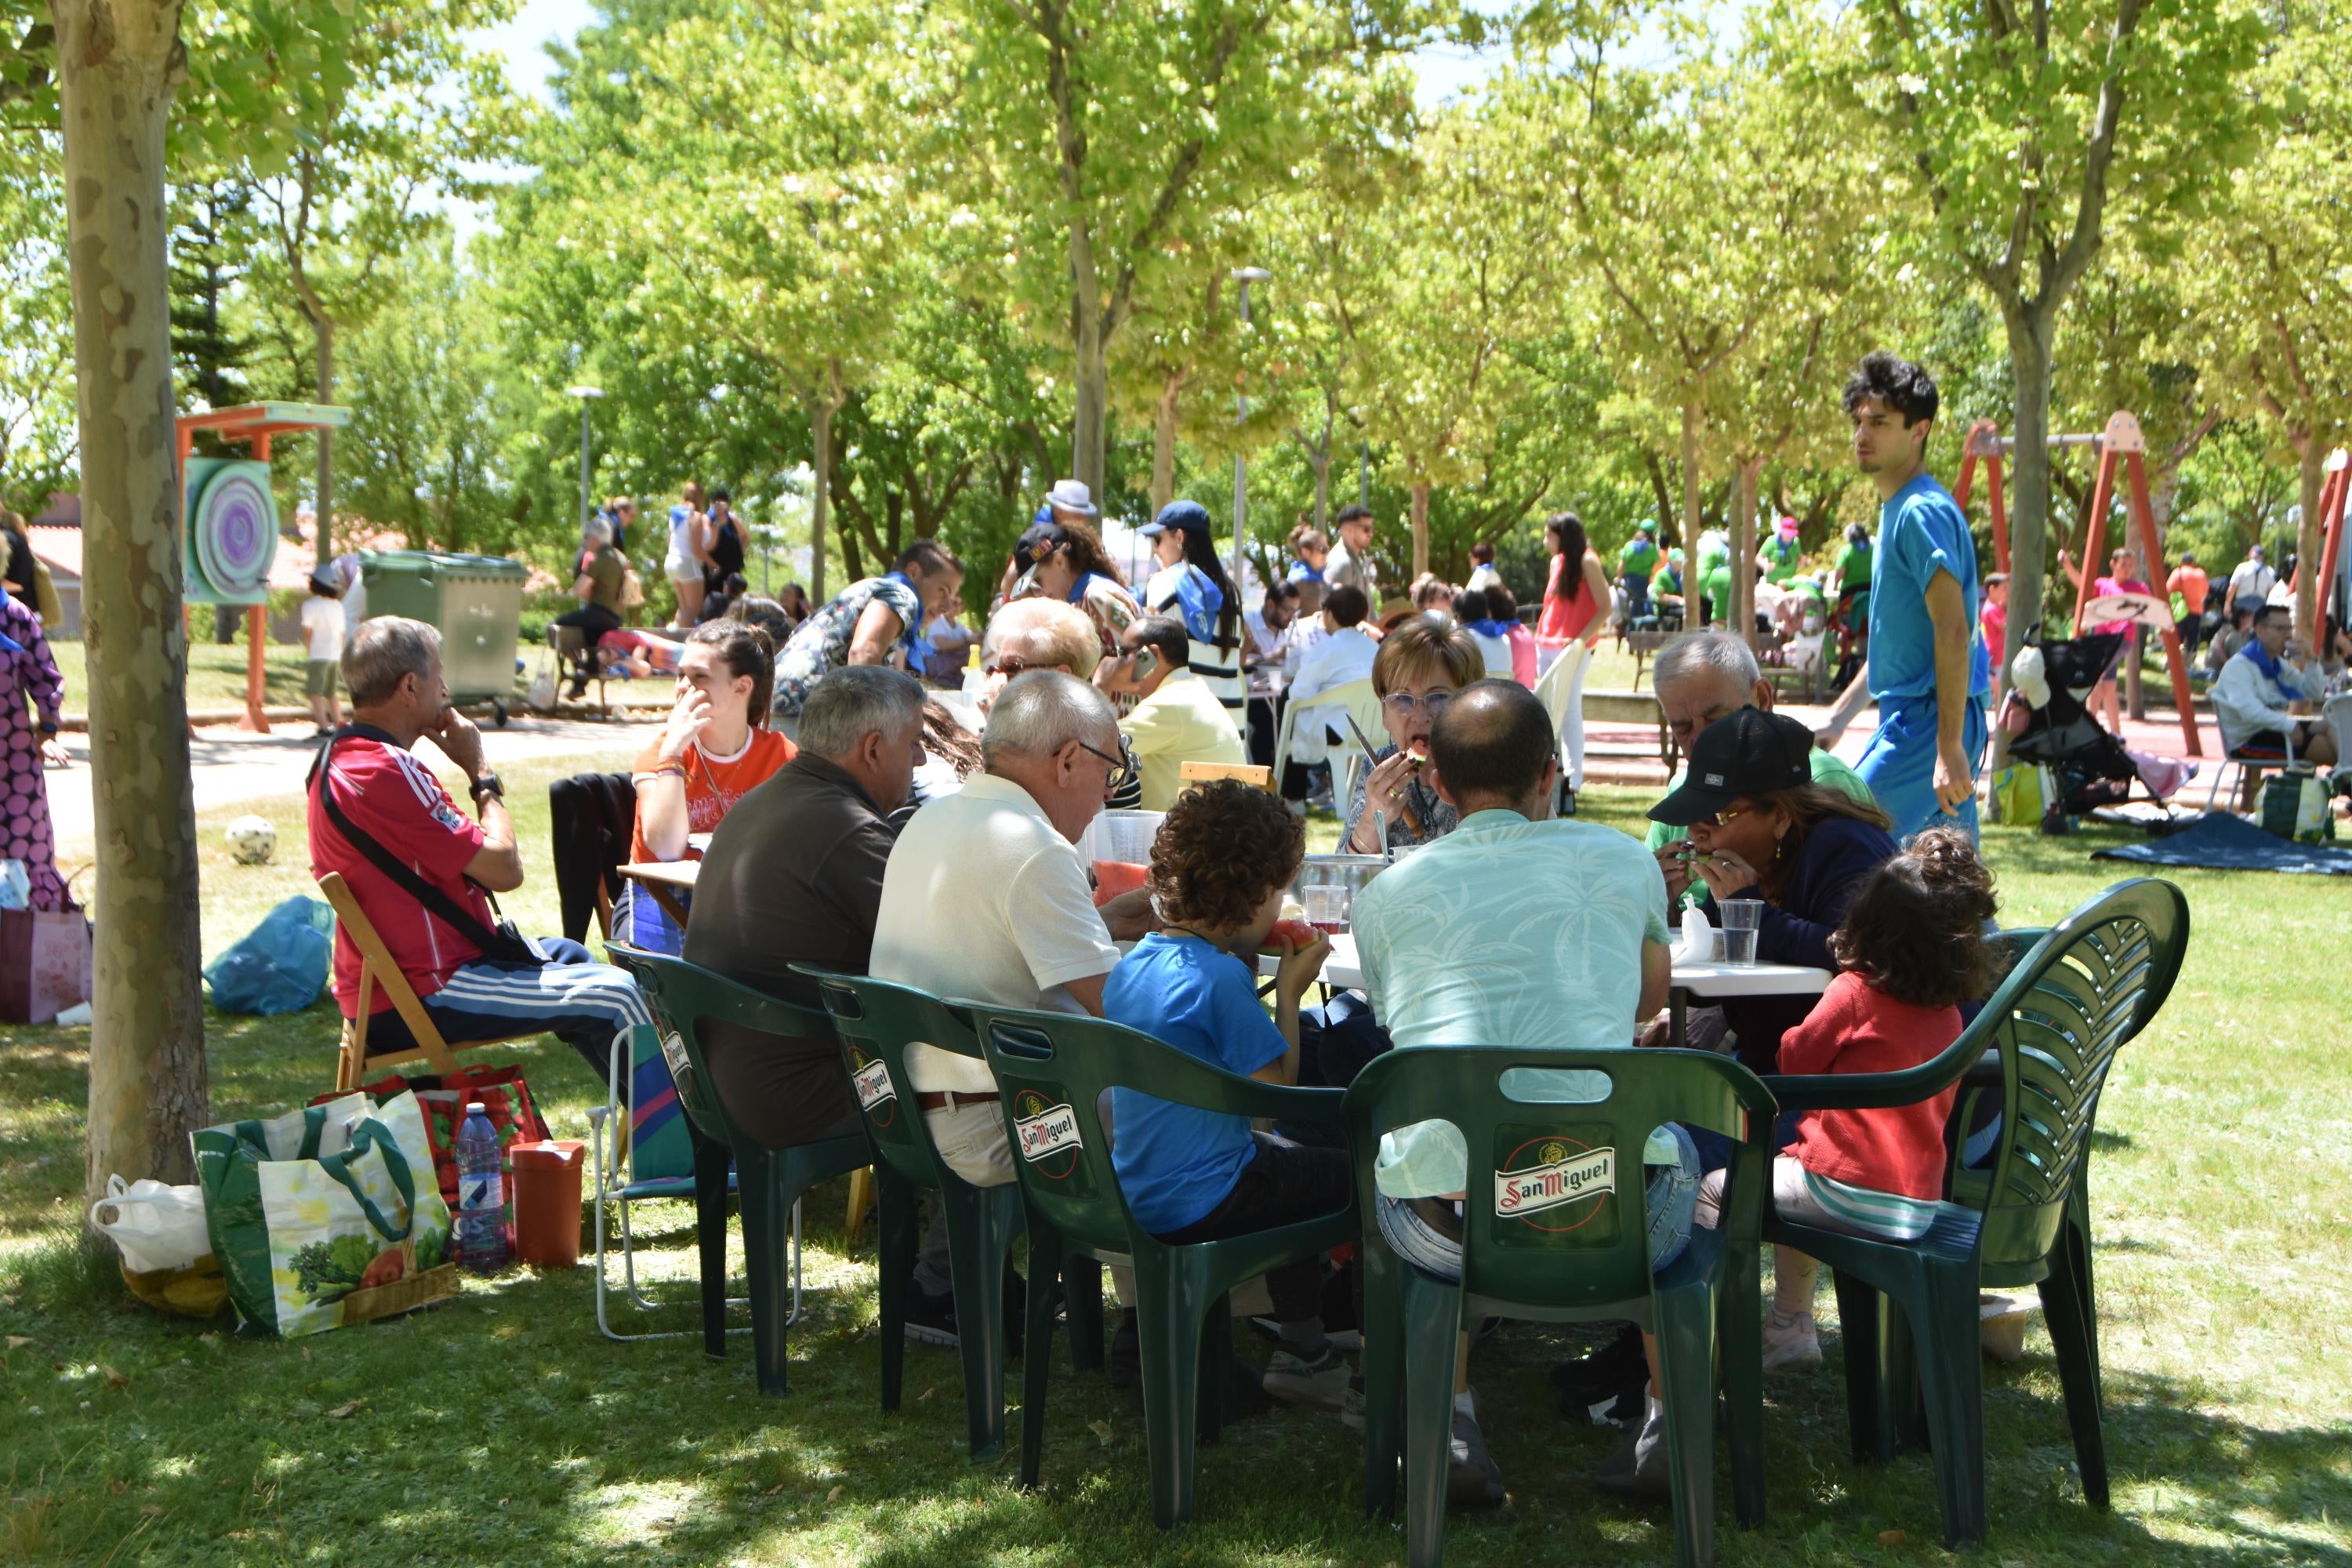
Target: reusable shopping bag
column 324, row 1216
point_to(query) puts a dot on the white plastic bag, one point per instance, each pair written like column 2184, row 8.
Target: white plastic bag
column 157, row 1226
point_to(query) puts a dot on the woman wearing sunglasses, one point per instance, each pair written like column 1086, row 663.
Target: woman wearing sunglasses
column 1420, row 667
column 1762, row 828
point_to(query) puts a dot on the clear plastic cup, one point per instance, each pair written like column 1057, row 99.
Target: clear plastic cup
column 1327, row 907
column 1739, row 947
column 1740, row 914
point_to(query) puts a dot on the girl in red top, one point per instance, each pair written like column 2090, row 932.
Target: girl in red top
column 717, row 749
column 1911, row 949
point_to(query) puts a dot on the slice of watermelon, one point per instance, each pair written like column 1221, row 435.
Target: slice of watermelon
column 1113, row 878
column 1298, row 932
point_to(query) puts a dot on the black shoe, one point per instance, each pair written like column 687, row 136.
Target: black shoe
column 1126, row 1366
column 1596, row 1387
column 931, row 1319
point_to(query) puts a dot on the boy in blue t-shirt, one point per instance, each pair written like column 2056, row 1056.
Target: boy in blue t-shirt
column 1220, row 864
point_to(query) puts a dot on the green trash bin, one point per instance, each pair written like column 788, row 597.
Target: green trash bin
column 475, row 600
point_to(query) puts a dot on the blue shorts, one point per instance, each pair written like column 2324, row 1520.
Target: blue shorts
column 1669, row 1200
column 1899, row 765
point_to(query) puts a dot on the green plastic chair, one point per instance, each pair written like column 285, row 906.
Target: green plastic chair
column 1907, row 1313
column 770, row 1181
column 1052, row 1069
column 1555, row 1259
column 877, row 1021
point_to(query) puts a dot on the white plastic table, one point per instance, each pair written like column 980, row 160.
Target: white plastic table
column 1706, row 980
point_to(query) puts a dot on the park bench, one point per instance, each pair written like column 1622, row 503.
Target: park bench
column 1625, row 708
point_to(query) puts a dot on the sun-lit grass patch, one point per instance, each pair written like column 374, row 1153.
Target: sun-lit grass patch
column 500, row 1426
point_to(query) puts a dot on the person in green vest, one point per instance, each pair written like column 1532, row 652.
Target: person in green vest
column 1854, row 559
column 1782, row 555
column 1714, row 574
column 1704, row 676
column 1637, row 563
column 1666, row 586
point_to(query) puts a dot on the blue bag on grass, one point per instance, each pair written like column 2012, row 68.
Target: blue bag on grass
column 281, row 964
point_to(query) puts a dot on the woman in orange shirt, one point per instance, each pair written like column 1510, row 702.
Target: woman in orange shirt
column 718, row 748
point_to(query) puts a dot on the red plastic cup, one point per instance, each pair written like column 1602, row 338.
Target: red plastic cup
column 547, row 1202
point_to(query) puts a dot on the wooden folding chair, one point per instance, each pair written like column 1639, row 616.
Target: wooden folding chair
column 1248, row 772
column 377, row 969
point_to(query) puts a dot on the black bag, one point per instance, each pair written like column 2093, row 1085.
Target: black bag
column 503, row 944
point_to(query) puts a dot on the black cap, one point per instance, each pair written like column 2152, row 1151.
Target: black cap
column 1747, row 753
column 1038, row 541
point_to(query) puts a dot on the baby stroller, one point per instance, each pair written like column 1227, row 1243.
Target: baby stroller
column 2050, row 682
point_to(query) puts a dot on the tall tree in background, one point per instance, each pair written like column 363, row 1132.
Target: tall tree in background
column 2020, row 126
column 386, row 125
column 1103, row 133
column 117, row 65
column 2269, row 307
column 204, row 248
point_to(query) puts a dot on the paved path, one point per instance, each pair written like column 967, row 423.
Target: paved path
column 233, row 765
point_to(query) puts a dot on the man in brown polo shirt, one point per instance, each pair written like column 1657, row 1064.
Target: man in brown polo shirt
column 793, row 875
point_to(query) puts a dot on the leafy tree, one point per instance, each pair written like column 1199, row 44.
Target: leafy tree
column 386, row 125
column 2268, row 311
column 1105, row 137
column 2019, row 126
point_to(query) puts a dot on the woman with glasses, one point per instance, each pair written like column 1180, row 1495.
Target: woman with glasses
column 1762, row 828
column 1420, row 667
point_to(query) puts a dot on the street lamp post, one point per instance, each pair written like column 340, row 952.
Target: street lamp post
column 1245, row 276
column 586, row 394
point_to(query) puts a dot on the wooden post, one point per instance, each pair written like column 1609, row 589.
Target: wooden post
column 2123, row 437
column 2331, row 511
column 2095, row 543
column 1983, row 441
column 257, row 638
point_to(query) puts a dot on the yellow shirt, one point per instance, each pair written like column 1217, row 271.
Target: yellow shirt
column 1180, row 722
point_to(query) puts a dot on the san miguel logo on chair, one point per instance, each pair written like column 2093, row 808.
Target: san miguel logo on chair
column 876, row 1094
column 1559, row 1178
column 1047, row 1132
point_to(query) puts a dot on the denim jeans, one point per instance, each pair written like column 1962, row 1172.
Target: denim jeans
column 1427, row 1234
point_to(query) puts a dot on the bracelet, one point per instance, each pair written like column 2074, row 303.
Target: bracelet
column 670, row 770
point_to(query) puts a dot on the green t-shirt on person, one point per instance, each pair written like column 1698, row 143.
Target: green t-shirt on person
column 604, row 570
column 1827, row 770
column 1638, row 557
column 1853, row 567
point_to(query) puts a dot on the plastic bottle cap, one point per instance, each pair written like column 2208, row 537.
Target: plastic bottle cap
column 475, row 1105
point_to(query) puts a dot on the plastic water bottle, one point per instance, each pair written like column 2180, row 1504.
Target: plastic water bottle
column 481, row 1194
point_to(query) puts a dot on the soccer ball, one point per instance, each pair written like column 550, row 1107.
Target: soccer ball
column 252, row 840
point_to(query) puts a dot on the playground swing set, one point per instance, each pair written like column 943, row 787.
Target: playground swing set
column 2119, row 445
column 231, row 530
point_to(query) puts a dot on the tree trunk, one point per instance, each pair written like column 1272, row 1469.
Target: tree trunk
column 2029, row 494
column 1163, row 444
column 1090, row 425
column 2310, row 540
column 1321, row 463
column 118, row 65
column 820, row 414
column 326, row 439
column 1690, row 481
column 1420, row 536
column 1743, row 549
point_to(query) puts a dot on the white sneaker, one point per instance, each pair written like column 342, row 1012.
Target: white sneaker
column 1790, row 1340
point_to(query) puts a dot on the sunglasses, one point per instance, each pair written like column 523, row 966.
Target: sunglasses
column 1124, row 770
column 1724, row 819
column 1008, row 667
column 1405, row 704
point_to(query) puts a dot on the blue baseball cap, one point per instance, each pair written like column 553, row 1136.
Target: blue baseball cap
column 1189, row 516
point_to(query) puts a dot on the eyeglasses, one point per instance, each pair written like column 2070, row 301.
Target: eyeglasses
column 1008, row 667
column 1123, row 767
column 1724, row 819
column 1405, row 704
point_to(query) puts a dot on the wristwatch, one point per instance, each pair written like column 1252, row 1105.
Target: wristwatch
column 487, row 784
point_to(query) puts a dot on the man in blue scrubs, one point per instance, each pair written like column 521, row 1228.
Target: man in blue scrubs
column 1926, row 667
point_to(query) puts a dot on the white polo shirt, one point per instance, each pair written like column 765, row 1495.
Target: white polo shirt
column 985, row 898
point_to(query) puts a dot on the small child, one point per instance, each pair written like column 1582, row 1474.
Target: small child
column 1911, row 949
column 1220, row 864
column 322, row 624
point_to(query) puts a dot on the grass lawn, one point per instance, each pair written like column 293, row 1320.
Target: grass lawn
column 215, row 675
column 499, row 1427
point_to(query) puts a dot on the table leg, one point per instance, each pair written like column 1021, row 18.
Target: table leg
column 1677, row 1002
